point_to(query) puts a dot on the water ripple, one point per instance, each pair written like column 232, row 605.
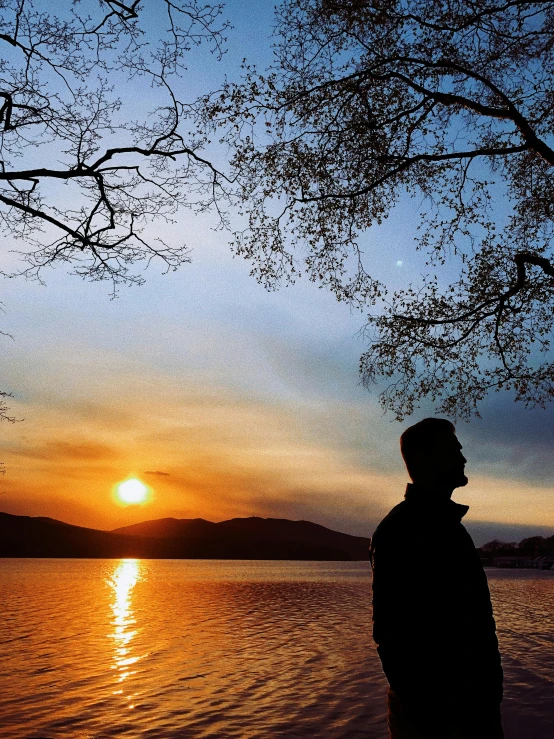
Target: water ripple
column 94, row 649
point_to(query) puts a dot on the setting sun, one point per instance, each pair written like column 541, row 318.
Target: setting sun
column 132, row 491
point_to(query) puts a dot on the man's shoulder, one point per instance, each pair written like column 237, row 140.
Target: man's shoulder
column 396, row 535
column 397, row 518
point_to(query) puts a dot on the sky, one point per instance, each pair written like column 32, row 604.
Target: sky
column 228, row 400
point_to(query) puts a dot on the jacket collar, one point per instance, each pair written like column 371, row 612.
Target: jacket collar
column 424, row 498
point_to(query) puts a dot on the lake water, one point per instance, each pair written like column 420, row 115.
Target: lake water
column 92, row 649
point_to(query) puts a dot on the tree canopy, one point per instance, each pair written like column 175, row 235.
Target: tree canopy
column 447, row 101
column 86, row 164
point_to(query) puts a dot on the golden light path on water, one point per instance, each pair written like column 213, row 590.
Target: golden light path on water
column 125, row 577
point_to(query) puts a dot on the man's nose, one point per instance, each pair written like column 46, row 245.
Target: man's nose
column 464, row 460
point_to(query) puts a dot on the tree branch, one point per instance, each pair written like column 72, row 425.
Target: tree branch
column 409, row 161
column 520, row 259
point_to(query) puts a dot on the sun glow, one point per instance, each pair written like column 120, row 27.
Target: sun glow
column 132, row 491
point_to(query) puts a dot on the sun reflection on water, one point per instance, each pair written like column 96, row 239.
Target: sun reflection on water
column 124, row 578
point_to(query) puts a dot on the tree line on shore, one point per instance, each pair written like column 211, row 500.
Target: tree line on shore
column 532, row 546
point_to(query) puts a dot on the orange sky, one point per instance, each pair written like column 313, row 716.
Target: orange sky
column 92, row 418
column 203, row 451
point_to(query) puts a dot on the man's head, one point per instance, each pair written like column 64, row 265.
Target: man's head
column 433, row 455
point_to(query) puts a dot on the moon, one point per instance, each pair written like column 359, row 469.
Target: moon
column 132, row 491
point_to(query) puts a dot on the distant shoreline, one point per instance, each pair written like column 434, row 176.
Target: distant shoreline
column 195, row 539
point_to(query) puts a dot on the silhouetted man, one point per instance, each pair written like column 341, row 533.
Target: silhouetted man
column 432, row 614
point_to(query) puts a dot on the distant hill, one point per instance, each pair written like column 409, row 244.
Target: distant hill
column 26, row 536
column 170, row 538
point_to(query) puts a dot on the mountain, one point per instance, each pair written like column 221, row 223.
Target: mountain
column 238, row 538
column 26, row 536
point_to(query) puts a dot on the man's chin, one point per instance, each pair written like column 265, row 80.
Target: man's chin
column 462, row 482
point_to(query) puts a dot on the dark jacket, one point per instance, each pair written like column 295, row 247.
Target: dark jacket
column 432, row 614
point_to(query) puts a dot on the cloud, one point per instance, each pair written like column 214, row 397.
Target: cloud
column 82, row 451
column 511, row 441
column 156, row 473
